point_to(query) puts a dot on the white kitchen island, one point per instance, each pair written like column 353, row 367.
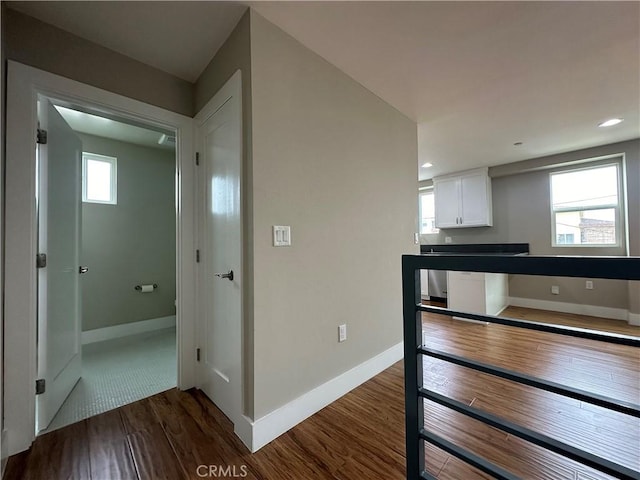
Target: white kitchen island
column 477, row 292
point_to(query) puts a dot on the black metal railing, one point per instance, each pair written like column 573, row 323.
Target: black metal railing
column 621, row 268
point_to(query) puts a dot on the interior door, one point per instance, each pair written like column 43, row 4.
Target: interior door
column 59, row 229
column 221, row 293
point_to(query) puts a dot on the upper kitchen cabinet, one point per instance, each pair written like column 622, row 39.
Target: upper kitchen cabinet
column 463, row 199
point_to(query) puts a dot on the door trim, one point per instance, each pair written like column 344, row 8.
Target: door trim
column 24, row 83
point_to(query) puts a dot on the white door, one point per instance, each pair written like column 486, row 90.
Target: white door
column 59, row 217
column 219, row 144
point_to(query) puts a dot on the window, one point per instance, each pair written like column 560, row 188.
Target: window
column 565, row 238
column 585, row 206
column 99, row 179
column 427, row 212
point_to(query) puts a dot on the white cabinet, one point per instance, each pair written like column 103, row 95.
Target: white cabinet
column 463, row 200
column 446, row 197
column 476, row 292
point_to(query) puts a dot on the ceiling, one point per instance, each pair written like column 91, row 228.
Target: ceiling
column 477, row 77
column 104, row 127
column 481, row 76
column 178, row 37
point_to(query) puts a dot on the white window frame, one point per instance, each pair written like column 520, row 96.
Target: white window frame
column 113, row 162
column 618, row 207
column 423, row 191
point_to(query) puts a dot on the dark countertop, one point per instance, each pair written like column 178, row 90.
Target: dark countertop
column 477, row 248
column 473, row 254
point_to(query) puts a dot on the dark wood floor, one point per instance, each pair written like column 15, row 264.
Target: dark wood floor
column 169, row 435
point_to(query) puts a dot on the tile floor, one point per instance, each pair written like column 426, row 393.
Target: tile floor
column 120, row 371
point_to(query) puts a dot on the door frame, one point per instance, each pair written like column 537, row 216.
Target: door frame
column 24, row 84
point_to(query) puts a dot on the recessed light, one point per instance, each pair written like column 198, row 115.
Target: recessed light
column 427, row 165
column 611, row 122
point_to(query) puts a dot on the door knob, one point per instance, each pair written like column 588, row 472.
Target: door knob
column 228, row 276
column 82, row 270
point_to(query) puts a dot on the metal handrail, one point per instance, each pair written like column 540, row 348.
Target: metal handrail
column 621, row 268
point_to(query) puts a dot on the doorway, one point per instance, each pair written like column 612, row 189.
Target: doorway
column 107, row 290
column 24, row 85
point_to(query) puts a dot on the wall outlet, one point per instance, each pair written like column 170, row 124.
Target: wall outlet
column 588, row 285
column 448, row 239
column 555, row 290
column 342, row 332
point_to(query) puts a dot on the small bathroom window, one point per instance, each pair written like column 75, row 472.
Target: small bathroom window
column 99, row 179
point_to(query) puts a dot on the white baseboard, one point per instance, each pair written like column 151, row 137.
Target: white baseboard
column 258, row 433
column 634, row 319
column 579, row 309
column 244, row 430
column 126, row 329
column 499, row 312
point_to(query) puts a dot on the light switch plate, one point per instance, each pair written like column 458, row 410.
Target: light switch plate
column 342, row 332
column 281, row 236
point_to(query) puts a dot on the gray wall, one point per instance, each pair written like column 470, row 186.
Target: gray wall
column 633, row 196
column 3, row 96
column 521, row 212
column 46, row 47
column 132, row 242
column 339, row 165
column 234, row 54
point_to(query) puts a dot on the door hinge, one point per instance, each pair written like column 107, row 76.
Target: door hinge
column 197, row 354
column 197, row 256
column 197, row 158
column 41, row 260
column 41, row 136
column 40, row 386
